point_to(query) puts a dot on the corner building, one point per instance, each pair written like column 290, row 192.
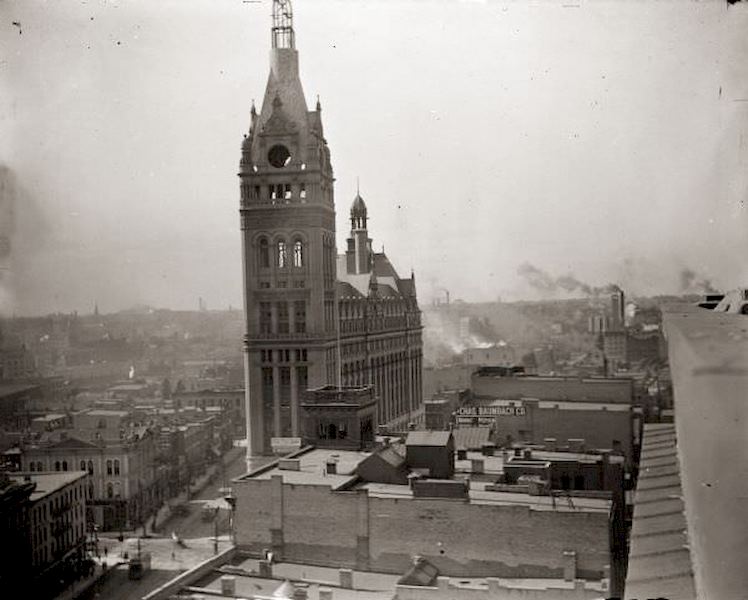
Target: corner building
column 306, row 308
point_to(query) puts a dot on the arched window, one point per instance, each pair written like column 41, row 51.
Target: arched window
column 264, row 254
column 83, row 465
column 109, row 467
column 116, row 466
column 109, row 490
column 282, row 255
column 39, row 466
column 298, row 254
column 32, row 466
column 90, row 467
column 64, row 465
column 57, row 465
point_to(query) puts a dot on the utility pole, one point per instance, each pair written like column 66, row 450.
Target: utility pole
column 215, row 530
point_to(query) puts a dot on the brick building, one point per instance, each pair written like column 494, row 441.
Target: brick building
column 122, row 482
column 576, row 413
column 313, row 318
column 56, row 527
column 15, row 549
column 305, row 513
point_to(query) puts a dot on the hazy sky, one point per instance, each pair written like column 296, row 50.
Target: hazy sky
column 604, row 139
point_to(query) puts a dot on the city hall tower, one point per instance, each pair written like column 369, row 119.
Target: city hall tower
column 293, row 293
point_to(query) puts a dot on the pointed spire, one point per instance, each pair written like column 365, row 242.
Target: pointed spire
column 319, row 105
column 253, row 111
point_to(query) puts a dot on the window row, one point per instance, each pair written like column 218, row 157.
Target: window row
column 279, row 191
column 299, row 355
column 282, row 284
column 283, row 254
column 275, row 317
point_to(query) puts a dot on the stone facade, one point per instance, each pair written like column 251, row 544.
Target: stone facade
column 313, row 318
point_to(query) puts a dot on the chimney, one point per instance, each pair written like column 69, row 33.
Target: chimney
column 300, row 592
column 266, row 569
column 228, row 585
column 461, row 454
column 570, row 565
column 550, row 444
column 477, row 465
column 325, row 593
column 527, row 454
column 488, row 449
column 331, row 467
column 346, row 579
column 518, row 452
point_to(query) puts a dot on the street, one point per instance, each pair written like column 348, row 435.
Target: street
column 168, row 558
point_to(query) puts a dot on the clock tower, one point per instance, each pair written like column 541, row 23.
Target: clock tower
column 288, row 248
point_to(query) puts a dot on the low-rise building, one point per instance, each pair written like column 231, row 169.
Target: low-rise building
column 577, row 413
column 122, row 484
column 316, row 507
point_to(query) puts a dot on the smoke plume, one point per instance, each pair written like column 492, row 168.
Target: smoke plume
column 693, row 283
column 549, row 285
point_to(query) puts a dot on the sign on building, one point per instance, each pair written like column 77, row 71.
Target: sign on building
column 285, row 445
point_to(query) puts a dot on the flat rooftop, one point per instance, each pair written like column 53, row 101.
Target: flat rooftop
column 479, row 495
column 12, row 389
column 312, row 468
column 49, row 417
column 708, row 354
column 581, row 404
column 367, row 585
column 249, row 584
column 102, row 412
column 48, row 482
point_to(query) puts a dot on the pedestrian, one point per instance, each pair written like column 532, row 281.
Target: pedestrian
column 172, row 555
column 106, row 551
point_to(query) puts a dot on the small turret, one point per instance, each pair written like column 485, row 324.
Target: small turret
column 358, row 213
column 359, row 254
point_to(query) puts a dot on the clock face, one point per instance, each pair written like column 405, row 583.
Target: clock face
column 279, row 156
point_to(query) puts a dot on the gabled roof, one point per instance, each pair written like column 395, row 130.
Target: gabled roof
column 471, row 438
column 72, row 442
column 383, row 267
column 428, row 438
column 348, row 289
column 392, row 454
column 385, row 290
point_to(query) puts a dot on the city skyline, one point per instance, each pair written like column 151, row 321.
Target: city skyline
column 530, row 155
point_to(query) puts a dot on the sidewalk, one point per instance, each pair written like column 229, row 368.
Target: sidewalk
column 81, row 586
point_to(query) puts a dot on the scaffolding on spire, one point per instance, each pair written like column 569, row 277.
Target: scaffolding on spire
column 283, row 34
